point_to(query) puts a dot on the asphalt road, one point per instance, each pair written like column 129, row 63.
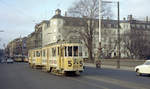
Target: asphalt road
column 20, row 76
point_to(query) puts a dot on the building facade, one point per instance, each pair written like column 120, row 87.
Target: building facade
column 65, row 28
column 16, row 47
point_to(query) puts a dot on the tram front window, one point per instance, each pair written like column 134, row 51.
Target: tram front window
column 69, row 51
column 75, row 50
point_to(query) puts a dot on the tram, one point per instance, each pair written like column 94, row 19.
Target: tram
column 58, row 58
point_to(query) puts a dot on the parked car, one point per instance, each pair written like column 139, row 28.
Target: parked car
column 9, row 60
column 3, row 61
column 143, row 69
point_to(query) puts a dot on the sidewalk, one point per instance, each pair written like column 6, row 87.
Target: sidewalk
column 111, row 67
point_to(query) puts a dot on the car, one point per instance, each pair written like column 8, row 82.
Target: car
column 143, row 69
column 3, row 61
column 9, row 60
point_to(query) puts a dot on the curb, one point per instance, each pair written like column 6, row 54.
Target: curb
column 110, row 67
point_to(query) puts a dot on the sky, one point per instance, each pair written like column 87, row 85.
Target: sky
column 18, row 17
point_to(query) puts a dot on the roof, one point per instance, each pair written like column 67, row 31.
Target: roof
column 77, row 21
column 44, row 21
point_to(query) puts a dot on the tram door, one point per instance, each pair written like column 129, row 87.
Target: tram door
column 61, row 57
column 48, row 56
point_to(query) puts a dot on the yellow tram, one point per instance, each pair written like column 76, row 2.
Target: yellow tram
column 58, row 58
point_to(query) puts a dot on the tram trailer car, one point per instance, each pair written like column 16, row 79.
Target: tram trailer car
column 58, row 58
column 35, row 58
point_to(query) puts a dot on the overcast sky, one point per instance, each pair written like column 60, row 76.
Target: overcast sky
column 18, row 17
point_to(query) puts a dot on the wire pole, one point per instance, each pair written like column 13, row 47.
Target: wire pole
column 118, row 60
column 100, row 5
column 97, row 61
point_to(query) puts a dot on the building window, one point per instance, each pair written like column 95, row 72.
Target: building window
column 114, row 54
column 54, row 30
column 86, row 53
column 138, row 26
column 148, row 26
column 54, row 38
column 109, row 25
column 59, row 22
column 133, row 25
column 48, row 25
column 113, row 25
column 127, row 26
column 143, row 26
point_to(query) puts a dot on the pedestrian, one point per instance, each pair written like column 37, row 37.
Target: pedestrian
column 98, row 64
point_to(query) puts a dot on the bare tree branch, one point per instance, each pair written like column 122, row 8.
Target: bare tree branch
column 88, row 11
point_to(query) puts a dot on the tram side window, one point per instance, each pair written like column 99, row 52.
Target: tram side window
column 58, row 50
column 53, row 52
column 66, row 51
column 50, row 52
column 62, row 52
column 41, row 53
column 37, row 54
column 69, row 51
column 34, row 54
column 75, row 50
column 44, row 53
column 80, row 51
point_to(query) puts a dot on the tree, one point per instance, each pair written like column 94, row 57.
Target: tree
column 137, row 42
column 88, row 11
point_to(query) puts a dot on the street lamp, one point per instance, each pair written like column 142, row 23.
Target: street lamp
column 118, row 29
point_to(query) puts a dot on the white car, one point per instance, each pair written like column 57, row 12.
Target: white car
column 10, row 60
column 143, row 69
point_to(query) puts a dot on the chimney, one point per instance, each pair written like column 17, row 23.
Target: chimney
column 108, row 18
column 58, row 12
column 65, row 14
column 130, row 17
column 124, row 19
column 147, row 19
column 102, row 17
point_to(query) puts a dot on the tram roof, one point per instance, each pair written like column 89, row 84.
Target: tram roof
column 64, row 43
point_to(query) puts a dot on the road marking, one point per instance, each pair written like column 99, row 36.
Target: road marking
column 118, row 82
column 87, row 83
